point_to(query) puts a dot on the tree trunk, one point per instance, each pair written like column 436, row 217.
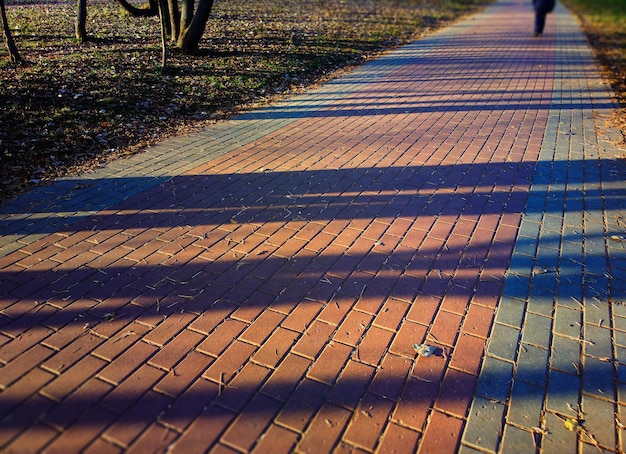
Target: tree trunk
column 14, row 55
column 173, row 19
column 186, row 14
column 163, row 21
column 182, row 24
column 150, row 11
column 81, row 21
column 189, row 38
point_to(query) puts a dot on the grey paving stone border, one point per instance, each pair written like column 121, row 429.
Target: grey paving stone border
column 557, row 325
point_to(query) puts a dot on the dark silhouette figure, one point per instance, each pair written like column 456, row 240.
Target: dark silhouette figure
column 542, row 7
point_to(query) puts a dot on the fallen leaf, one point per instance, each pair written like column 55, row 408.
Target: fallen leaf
column 571, row 424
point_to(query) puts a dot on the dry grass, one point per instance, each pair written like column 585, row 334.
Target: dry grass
column 76, row 106
column 604, row 22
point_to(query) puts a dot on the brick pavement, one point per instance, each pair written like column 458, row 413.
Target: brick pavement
column 259, row 286
column 562, row 303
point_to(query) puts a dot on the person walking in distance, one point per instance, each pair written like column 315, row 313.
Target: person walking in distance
column 542, row 7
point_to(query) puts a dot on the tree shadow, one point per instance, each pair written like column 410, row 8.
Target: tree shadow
column 190, row 283
column 198, row 254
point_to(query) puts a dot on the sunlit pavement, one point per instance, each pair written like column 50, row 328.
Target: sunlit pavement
column 426, row 254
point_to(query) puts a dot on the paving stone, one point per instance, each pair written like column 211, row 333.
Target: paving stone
column 495, row 379
column 597, row 341
column 277, row 439
column 565, row 355
column 598, row 379
column 503, row 342
column 482, row 430
column 23, row 364
column 303, row 404
column 167, row 329
column 136, row 419
column 19, row 397
column 445, row 328
column 529, row 229
column 516, row 440
column 510, row 312
column 368, row 421
column 72, row 378
column 239, row 391
column 552, row 224
column 571, row 252
column 154, row 438
column 546, row 264
column 127, row 362
column 331, row 361
column 532, row 364
column 221, row 337
column 537, row 330
column 570, row 291
column 600, row 421
column 184, row 374
column 563, row 393
column 478, row 321
column 176, row 349
column 596, row 311
column 397, row 438
column 79, row 436
column 409, row 334
column 13, row 347
column 443, row 432
column 620, row 308
column 205, row 429
column 526, row 405
column 619, row 323
column 229, row 362
column 464, row 449
column 517, row 286
column 78, row 404
column 189, row 405
column 541, row 300
column 557, row 437
column 415, row 403
column 456, row 392
column 374, row 345
column 251, row 422
column 352, row 328
column 467, row 354
column 325, row 429
column 567, row 321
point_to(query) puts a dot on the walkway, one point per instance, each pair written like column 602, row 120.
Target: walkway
column 266, row 285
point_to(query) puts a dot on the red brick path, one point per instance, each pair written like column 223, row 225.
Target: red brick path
column 269, row 299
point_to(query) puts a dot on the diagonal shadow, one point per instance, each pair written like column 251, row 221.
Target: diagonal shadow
column 269, row 195
column 97, row 289
column 288, row 400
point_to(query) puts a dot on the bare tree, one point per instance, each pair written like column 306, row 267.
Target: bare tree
column 14, row 55
column 192, row 23
column 163, row 22
column 184, row 22
column 81, row 20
